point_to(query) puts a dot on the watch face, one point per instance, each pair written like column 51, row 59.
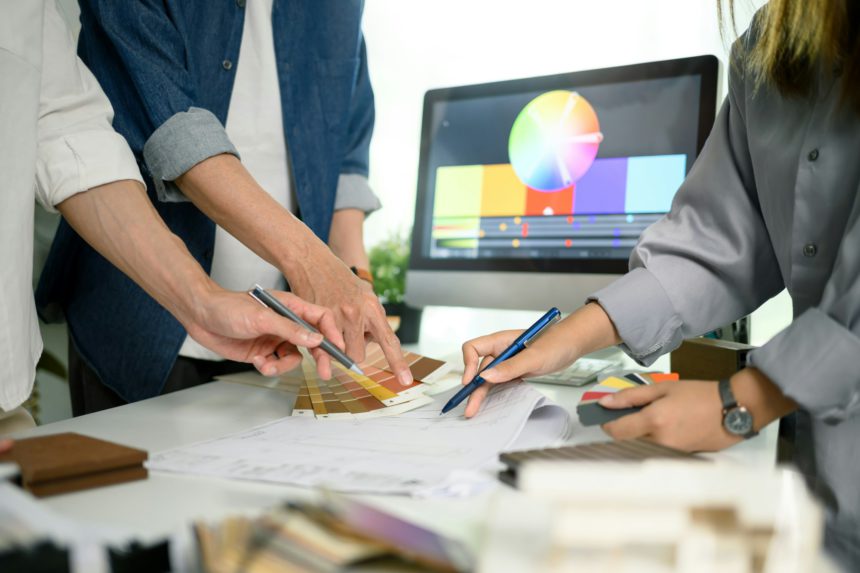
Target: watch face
column 738, row 421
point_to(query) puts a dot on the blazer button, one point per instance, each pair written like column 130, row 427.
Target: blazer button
column 813, row 155
column 810, row 250
column 227, row 65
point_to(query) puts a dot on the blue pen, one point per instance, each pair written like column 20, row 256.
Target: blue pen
column 522, row 341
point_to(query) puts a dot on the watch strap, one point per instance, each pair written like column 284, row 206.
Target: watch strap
column 727, row 397
column 363, row 274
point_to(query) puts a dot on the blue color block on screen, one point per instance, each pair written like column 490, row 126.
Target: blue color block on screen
column 602, row 188
column 653, row 181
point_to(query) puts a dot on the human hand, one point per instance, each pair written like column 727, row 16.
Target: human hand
column 5, row 445
column 548, row 354
column 686, row 415
column 239, row 328
column 326, row 281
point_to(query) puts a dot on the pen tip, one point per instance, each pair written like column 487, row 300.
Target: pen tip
column 357, row 370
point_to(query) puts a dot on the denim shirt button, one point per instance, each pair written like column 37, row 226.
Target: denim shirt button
column 227, row 65
column 810, row 250
column 240, row 3
column 813, row 155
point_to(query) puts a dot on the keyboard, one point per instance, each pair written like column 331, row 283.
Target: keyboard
column 583, row 371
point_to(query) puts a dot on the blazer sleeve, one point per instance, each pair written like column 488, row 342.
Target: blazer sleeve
column 710, row 260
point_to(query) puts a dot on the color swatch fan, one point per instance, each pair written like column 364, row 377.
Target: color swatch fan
column 350, row 395
column 554, row 140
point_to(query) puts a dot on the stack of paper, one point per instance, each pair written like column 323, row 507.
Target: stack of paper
column 350, row 395
column 415, row 452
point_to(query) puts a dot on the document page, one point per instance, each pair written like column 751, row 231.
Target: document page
column 406, row 454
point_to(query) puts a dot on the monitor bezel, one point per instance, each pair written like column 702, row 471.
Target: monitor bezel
column 706, row 67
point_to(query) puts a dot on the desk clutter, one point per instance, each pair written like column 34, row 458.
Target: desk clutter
column 417, row 452
column 67, row 462
column 594, row 516
column 337, row 534
column 349, row 395
column 332, row 534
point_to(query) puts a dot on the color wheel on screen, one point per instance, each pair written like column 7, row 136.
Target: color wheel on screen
column 554, row 140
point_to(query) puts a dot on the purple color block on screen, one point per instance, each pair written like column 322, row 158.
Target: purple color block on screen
column 602, row 188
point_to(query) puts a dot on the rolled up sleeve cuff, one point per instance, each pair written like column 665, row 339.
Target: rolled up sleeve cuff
column 642, row 313
column 814, row 362
column 180, row 143
column 354, row 192
column 75, row 163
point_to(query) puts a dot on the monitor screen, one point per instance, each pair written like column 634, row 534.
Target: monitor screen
column 559, row 173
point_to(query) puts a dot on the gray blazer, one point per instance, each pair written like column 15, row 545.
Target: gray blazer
column 771, row 203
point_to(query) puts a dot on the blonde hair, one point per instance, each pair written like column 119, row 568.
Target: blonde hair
column 795, row 37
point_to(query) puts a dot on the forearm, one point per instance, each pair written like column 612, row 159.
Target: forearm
column 346, row 238
column 118, row 220
column 586, row 330
column 223, row 189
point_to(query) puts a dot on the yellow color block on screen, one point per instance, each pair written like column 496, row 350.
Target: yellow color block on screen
column 502, row 194
column 458, row 191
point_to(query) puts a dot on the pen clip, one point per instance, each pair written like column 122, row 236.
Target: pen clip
column 543, row 329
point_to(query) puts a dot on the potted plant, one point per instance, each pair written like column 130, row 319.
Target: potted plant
column 388, row 262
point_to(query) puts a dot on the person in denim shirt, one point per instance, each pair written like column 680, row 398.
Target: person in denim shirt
column 197, row 87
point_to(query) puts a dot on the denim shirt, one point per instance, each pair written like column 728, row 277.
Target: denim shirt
column 168, row 69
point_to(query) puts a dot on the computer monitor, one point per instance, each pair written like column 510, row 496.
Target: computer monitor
column 532, row 192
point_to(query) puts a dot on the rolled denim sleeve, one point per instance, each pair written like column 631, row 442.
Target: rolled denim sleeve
column 354, row 192
column 179, row 144
column 174, row 132
column 77, row 147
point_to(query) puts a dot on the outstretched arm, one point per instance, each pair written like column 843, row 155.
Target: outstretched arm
column 190, row 157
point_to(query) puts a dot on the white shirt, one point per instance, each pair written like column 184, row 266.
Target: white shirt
column 56, row 140
column 255, row 126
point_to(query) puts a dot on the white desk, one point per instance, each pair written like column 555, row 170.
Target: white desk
column 164, row 503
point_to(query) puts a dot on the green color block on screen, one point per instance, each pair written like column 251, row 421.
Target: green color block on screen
column 456, row 227
column 458, row 243
column 458, row 191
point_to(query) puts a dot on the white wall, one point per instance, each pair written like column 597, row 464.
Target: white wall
column 414, row 46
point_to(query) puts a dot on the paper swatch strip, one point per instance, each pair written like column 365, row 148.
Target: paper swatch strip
column 350, row 395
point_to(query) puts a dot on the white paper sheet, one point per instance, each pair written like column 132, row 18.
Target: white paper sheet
column 406, row 454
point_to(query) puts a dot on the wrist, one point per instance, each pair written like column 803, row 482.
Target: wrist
column 760, row 396
column 193, row 297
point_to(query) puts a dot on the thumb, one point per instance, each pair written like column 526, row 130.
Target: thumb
column 633, row 397
column 526, row 362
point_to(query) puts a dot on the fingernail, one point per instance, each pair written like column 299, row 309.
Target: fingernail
column 271, row 371
column 313, row 337
column 489, row 375
column 607, row 400
column 405, row 377
column 258, row 362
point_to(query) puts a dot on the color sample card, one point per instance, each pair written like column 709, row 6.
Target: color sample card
column 591, row 413
column 350, row 395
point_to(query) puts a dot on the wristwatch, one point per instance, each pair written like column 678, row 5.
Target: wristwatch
column 737, row 420
column 363, row 274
